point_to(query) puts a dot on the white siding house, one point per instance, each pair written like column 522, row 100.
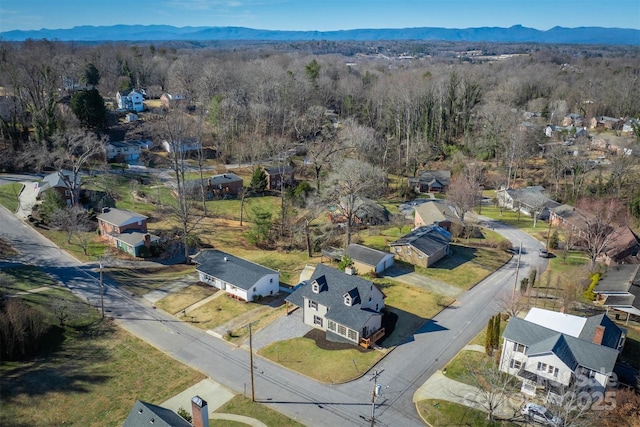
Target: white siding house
column 238, row 277
column 553, row 351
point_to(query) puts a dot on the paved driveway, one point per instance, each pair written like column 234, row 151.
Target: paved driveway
column 410, row 278
column 283, row 328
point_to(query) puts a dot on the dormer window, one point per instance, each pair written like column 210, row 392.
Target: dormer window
column 315, row 287
column 347, row 300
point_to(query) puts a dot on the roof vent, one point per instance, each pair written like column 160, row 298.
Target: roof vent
column 225, row 259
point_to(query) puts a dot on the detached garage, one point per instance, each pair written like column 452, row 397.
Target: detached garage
column 369, row 260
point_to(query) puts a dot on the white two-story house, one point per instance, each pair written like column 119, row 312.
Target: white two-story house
column 553, row 351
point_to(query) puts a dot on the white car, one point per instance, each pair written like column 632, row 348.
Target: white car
column 540, row 414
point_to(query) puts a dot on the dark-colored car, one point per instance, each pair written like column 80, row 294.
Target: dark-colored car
column 543, row 253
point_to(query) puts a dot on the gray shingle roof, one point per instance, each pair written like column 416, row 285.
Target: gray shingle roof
column 337, row 285
column 612, row 332
column 55, row 179
column 539, row 339
column 427, row 239
column 225, row 178
column 619, row 278
column 146, row 414
column 442, row 176
column 231, row 269
column 365, row 255
column 135, row 238
column 437, row 211
column 121, row 217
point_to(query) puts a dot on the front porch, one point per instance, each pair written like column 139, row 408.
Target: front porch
column 372, row 339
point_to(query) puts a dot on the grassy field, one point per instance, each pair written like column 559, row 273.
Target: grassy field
column 243, row 406
column 95, row 248
column 458, row 367
column 223, row 309
column 141, row 280
column 525, row 223
column 94, row 374
column 466, row 266
column 9, row 195
column 178, row 301
column 443, row 413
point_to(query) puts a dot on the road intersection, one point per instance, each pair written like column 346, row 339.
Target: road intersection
column 406, row 368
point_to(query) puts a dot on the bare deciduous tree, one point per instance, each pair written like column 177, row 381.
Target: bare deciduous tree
column 349, row 181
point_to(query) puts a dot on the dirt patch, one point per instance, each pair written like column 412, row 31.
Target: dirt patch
column 6, row 250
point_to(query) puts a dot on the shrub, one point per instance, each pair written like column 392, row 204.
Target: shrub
column 589, row 294
column 505, row 245
column 185, row 414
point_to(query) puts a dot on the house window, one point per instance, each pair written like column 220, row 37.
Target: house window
column 542, row 366
column 317, row 320
column 516, row 364
column 347, row 300
column 271, row 280
column 67, row 193
column 353, row 335
column 342, row 330
column 331, row 325
column 315, row 287
column 313, row 305
column 518, row 348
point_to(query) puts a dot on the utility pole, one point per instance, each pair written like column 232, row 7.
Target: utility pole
column 101, row 290
column 374, row 393
column 549, row 233
column 253, row 394
column 515, row 283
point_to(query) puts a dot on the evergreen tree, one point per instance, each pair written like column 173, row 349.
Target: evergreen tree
column 488, row 336
column 258, row 180
column 495, row 331
column 88, row 106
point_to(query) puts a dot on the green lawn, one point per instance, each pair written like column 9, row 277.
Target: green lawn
column 9, row 195
column 525, row 223
column 304, row 356
column 140, row 280
column 93, row 375
column 95, row 248
column 241, row 405
column 466, row 266
column 442, row 413
column 458, row 367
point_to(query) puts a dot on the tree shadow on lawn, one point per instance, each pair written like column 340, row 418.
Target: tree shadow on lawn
column 460, row 256
column 56, row 368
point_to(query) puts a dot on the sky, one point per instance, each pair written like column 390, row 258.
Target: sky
column 320, row 15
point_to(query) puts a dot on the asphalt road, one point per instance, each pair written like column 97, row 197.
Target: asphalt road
column 299, row 397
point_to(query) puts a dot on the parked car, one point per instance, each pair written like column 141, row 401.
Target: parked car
column 543, row 253
column 540, row 414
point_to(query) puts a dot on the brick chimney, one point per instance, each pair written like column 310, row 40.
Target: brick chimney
column 598, row 335
column 200, row 412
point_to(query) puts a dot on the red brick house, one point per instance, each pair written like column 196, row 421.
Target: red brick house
column 125, row 230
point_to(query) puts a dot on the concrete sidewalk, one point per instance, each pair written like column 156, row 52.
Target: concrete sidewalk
column 215, row 395
column 440, row 387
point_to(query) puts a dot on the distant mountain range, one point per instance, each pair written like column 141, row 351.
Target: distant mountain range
column 515, row 34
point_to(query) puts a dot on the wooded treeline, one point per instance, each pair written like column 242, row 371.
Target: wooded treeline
column 396, row 114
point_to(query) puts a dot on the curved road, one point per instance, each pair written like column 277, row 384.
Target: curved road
column 301, row 398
